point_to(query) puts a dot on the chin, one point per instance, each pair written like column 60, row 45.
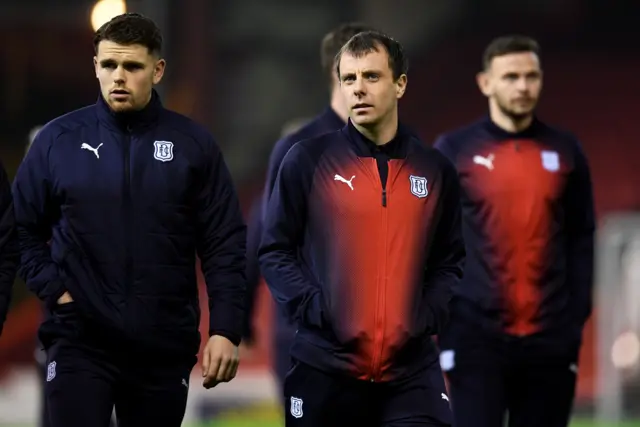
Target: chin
column 521, row 113
column 364, row 121
column 121, row 107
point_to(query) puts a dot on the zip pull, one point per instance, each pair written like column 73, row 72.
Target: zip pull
column 384, row 198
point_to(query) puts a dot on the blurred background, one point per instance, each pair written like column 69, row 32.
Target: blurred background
column 247, row 69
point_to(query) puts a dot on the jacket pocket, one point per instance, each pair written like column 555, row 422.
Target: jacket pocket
column 314, row 312
column 66, row 311
column 64, row 322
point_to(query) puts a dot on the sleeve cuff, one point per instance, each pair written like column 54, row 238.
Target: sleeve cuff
column 234, row 338
column 226, row 319
column 52, row 299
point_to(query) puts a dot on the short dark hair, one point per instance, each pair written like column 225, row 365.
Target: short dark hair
column 128, row 29
column 333, row 41
column 508, row 44
column 371, row 41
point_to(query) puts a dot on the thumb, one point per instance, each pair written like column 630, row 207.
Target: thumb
column 206, row 361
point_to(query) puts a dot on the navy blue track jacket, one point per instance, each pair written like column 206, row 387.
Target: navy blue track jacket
column 127, row 201
column 528, row 221
column 8, row 246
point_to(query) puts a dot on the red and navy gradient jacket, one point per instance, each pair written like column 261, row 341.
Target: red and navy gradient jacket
column 361, row 247
column 528, row 225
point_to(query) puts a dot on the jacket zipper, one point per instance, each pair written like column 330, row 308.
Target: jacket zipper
column 378, row 337
column 128, row 217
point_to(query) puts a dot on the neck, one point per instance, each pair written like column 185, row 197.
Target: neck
column 338, row 104
column 380, row 133
column 509, row 123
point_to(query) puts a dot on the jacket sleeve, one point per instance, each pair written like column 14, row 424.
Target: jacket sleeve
column 254, row 232
column 35, row 214
column 580, row 229
column 278, row 153
column 221, row 245
column 8, row 246
column 285, row 221
column 447, row 254
column 280, row 149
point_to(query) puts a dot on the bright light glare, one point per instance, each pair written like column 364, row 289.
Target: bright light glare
column 104, row 10
column 625, row 352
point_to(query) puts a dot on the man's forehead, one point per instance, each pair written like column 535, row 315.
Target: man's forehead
column 376, row 59
column 515, row 61
column 109, row 49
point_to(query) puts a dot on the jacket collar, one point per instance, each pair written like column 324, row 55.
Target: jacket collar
column 130, row 121
column 497, row 132
column 397, row 148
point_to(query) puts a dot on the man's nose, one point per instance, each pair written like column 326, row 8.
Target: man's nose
column 119, row 75
column 522, row 84
column 359, row 87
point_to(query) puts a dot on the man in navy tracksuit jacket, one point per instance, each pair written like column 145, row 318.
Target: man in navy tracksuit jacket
column 361, row 246
column 8, row 246
column 517, row 316
column 128, row 193
column 332, row 118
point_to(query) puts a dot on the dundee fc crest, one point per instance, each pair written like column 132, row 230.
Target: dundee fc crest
column 296, row 407
column 163, row 151
column 419, row 186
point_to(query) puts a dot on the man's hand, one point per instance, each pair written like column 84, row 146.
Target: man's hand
column 219, row 362
column 65, row 298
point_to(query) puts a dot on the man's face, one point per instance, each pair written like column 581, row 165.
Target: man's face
column 513, row 82
column 369, row 89
column 127, row 74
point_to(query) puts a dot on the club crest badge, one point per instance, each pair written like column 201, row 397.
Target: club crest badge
column 419, row 186
column 163, row 151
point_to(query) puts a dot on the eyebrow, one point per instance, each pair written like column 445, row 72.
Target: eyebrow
column 126, row 64
column 365, row 73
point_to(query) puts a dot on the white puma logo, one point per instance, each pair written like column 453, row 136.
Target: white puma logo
column 484, row 161
column 341, row 179
column 86, row 146
column 444, row 397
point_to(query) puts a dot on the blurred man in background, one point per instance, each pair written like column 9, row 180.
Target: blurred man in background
column 517, row 317
column 332, row 118
column 361, row 246
column 128, row 193
column 9, row 255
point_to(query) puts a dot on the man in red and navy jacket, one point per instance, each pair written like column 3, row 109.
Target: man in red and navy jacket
column 361, row 246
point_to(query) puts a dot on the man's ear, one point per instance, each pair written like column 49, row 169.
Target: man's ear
column 158, row 71
column 95, row 65
column 484, row 83
column 401, row 86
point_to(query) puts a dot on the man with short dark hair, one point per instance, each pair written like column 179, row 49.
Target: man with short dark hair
column 517, row 316
column 128, row 193
column 361, row 245
column 332, row 118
